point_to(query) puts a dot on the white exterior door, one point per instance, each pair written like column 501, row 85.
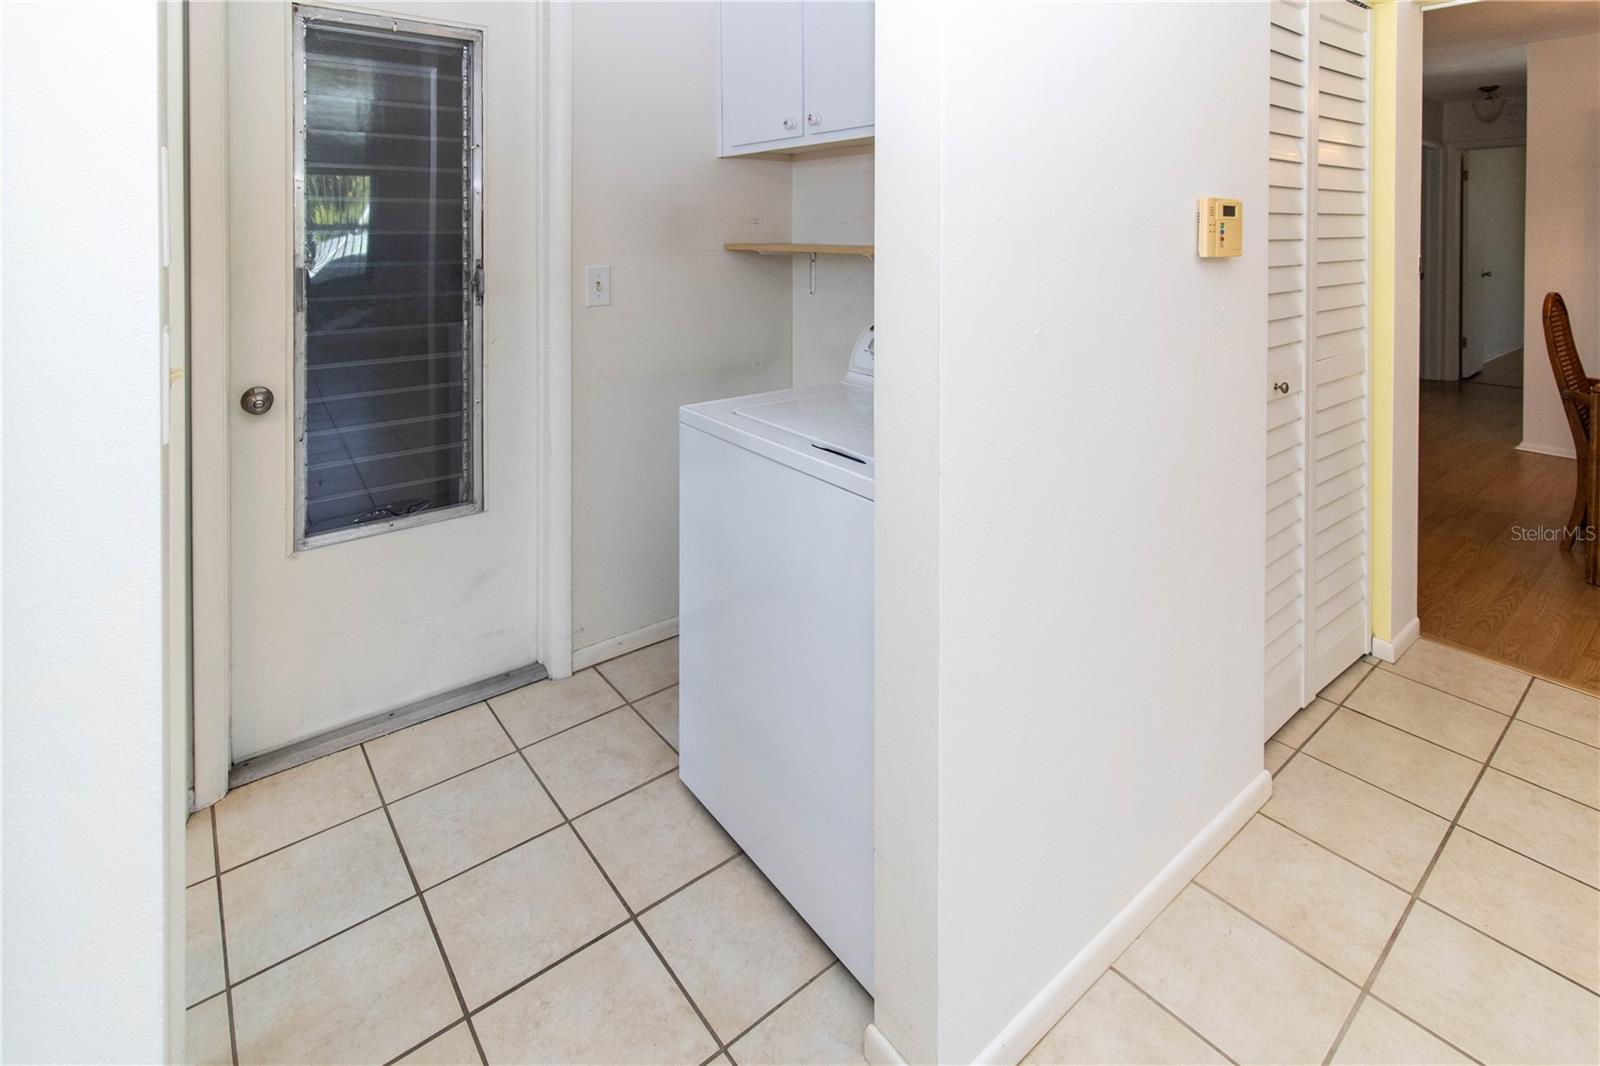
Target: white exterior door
column 383, row 512
column 1318, row 337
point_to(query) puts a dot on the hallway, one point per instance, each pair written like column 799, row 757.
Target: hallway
column 1490, row 578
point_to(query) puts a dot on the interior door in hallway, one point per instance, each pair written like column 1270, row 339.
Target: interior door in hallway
column 383, row 357
column 1493, row 184
column 1317, row 414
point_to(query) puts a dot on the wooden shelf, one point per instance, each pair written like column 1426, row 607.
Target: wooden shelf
column 803, row 249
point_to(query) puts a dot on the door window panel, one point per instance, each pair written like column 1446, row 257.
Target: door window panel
column 388, row 335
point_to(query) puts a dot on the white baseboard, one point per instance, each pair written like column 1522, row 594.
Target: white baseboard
column 583, row 658
column 1559, row 451
column 1391, row 650
column 877, row 1049
column 1035, row 1020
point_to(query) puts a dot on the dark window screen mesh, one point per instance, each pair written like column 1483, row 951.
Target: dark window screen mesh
column 388, row 343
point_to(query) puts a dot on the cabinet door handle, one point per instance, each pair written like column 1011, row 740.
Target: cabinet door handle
column 813, row 120
column 788, row 123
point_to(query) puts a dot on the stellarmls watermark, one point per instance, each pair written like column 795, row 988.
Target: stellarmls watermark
column 1552, row 533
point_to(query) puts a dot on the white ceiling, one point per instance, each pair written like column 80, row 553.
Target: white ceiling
column 1485, row 43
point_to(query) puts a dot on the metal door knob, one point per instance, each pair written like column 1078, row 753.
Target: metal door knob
column 256, row 400
column 1487, row 274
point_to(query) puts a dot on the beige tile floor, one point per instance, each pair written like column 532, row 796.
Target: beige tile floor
column 1421, row 888
column 525, row 880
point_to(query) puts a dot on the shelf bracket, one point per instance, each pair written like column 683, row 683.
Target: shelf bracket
column 813, row 273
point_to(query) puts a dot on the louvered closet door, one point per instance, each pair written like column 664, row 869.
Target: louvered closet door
column 1317, row 411
column 1336, row 547
column 1286, row 364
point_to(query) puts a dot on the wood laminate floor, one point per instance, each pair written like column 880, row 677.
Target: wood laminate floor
column 1486, row 581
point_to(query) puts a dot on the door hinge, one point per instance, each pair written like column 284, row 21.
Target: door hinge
column 477, row 281
column 1463, row 344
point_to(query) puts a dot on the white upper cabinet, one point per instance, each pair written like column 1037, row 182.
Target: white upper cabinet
column 795, row 74
column 763, row 69
column 838, row 89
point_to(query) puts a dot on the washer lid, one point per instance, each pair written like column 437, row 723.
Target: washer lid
column 838, row 419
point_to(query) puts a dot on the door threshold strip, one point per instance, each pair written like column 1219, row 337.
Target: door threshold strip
column 348, row 736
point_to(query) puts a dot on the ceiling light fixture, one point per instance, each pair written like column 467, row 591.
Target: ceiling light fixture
column 1488, row 109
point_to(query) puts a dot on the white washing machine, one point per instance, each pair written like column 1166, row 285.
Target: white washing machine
column 775, row 649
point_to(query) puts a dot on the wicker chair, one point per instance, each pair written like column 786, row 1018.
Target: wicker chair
column 1581, row 400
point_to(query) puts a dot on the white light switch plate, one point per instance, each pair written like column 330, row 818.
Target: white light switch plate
column 597, row 286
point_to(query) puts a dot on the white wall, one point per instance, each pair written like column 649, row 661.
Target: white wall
column 85, row 890
column 1563, row 223
column 832, row 205
column 687, row 322
column 1070, row 656
column 1432, row 120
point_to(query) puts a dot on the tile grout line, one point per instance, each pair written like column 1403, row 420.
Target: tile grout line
column 247, row 978
column 515, row 748
column 1556, row 733
column 1545, row 788
column 300, row 840
column 1537, row 862
column 1331, row 851
column 1567, row 684
column 222, row 936
column 633, row 705
column 1426, row 1029
column 776, row 1007
column 1231, row 905
column 1528, row 679
column 523, row 982
column 427, row 914
column 425, row 1041
column 1137, row 987
column 1447, row 748
column 1436, row 814
column 444, row 780
column 1344, row 705
column 1411, row 733
column 1422, row 882
column 386, row 909
column 633, row 918
column 1296, row 947
column 1514, row 950
column 1380, row 788
column 1299, row 748
column 1435, row 906
column 553, row 733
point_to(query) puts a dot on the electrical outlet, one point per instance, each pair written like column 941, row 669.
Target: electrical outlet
column 597, row 286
